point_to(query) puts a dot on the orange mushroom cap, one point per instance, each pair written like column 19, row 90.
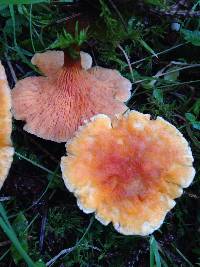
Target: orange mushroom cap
column 54, row 106
column 128, row 170
column 6, row 149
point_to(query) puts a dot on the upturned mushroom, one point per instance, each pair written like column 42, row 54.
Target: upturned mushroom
column 6, row 149
column 128, row 170
column 54, row 106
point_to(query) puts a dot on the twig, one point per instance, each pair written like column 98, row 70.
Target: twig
column 61, row 253
column 192, row 195
column 119, row 14
column 159, row 53
column 179, row 63
column 4, row 199
column 68, row 18
column 175, row 10
column 178, row 84
column 169, row 72
column 42, row 230
column 178, row 13
column 30, row 27
column 128, row 61
column 11, row 69
column 95, row 248
column 69, row 250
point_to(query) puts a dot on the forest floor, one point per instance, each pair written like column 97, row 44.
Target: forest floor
column 153, row 43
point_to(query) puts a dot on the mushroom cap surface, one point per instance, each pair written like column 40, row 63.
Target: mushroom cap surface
column 128, row 170
column 6, row 149
column 56, row 105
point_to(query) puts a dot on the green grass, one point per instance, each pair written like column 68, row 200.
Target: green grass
column 40, row 223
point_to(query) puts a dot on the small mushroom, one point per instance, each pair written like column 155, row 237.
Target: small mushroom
column 6, row 149
column 128, row 170
column 54, row 106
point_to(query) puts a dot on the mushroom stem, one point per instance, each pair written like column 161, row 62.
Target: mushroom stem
column 71, row 56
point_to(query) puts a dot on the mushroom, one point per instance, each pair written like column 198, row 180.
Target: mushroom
column 128, row 170
column 54, row 106
column 6, row 149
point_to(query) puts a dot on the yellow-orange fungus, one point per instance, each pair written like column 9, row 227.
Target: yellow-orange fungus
column 6, row 150
column 128, row 170
column 54, row 106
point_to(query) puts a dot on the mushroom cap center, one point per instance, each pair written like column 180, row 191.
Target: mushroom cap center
column 127, row 172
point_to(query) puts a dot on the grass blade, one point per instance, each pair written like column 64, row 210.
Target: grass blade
column 18, row 50
column 154, row 254
column 35, row 164
column 4, row 215
column 12, row 236
column 181, row 254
